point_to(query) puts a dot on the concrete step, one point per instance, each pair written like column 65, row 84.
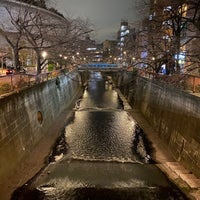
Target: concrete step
column 177, row 172
column 196, row 195
column 172, row 175
column 179, row 169
column 191, row 180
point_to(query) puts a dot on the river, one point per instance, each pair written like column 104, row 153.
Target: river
column 102, row 154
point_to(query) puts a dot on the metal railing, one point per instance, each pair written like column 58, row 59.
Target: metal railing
column 188, row 82
column 16, row 82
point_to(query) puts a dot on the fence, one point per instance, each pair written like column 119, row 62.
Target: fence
column 16, row 82
column 187, row 82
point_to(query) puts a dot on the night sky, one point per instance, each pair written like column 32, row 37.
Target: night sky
column 105, row 15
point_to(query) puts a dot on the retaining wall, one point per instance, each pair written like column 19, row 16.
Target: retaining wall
column 173, row 113
column 26, row 117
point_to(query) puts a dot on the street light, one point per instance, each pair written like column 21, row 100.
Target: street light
column 133, row 60
column 124, row 59
column 44, row 54
column 44, row 62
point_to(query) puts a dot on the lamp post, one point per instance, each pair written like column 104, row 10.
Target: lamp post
column 44, row 63
column 44, row 54
column 65, row 59
column 124, row 59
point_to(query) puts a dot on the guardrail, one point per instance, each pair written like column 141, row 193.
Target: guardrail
column 186, row 82
column 16, row 82
column 82, row 68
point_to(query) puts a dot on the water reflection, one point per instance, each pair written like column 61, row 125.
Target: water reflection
column 101, row 136
column 78, row 180
column 102, row 154
column 100, row 94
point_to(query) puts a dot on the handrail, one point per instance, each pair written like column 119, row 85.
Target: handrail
column 16, row 82
column 185, row 81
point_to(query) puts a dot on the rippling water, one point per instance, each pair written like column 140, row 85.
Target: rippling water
column 101, row 129
column 101, row 136
column 102, row 155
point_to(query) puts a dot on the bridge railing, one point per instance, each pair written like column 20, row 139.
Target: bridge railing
column 100, row 67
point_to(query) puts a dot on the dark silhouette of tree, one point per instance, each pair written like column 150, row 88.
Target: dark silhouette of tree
column 38, row 30
column 171, row 33
column 39, row 3
column 55, row 11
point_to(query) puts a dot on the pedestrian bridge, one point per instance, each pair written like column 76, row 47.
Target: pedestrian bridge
column 100, row 67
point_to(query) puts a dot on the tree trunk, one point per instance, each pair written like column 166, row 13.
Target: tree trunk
column 38, row 61
column 16, row 62
column 177, row 52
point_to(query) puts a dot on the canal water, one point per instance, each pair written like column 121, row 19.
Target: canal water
column 102, row 154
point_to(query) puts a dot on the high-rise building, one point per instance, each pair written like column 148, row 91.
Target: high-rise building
column 122, row 35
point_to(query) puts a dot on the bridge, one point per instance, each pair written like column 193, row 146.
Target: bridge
column 100, row 67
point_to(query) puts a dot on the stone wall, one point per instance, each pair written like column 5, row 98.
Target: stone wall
column 26, row 117
column 173, row 113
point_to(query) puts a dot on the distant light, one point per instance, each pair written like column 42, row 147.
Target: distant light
column 91, row 49
column 144, row 54
column 44, row 54
column 127, row 32
column 168, row 8
column 98, row 56
column 123, row 28
column 180, row 56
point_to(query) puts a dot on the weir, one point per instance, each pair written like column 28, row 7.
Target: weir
column 103, row 154
column 28, row 117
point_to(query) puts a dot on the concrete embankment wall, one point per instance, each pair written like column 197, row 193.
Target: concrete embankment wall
column 174, row 114
column 26, row 117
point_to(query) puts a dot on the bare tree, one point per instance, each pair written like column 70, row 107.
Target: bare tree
column 39, row 31
column 192, row 24
column 13, row 37
column 39, row 3
column 172, row 34
column 71, row 39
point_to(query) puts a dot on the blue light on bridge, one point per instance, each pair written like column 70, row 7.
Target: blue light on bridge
column 101, row 65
